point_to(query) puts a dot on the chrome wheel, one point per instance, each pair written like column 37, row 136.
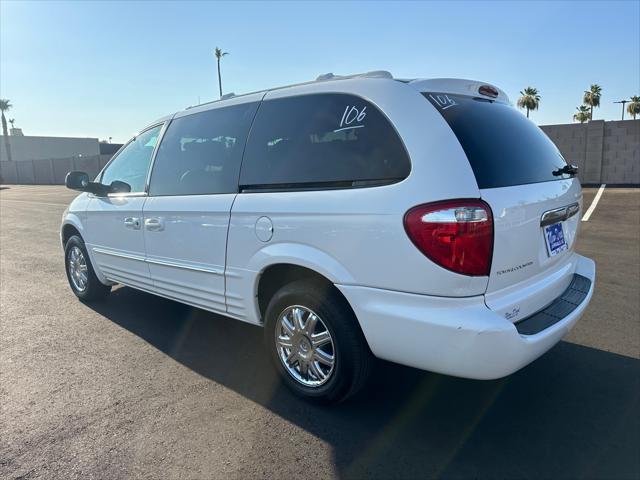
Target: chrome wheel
column 78, row 269
column 305, row 346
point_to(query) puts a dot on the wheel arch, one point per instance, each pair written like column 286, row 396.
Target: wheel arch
column 68, row 231
column 277, row 275
column 70, row 227
column 278, row 264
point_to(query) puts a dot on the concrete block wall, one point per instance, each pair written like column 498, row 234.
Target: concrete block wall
column 621, row 153
column 50, row 171
column 571, row 141
column 25, row 172
column 42, row 171
column 605, row 152
column 30, row 147
column 61, row 167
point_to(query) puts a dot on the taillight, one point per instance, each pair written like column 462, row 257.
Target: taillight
column 455, row 234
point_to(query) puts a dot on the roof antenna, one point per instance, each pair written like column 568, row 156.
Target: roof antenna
column 325, row 76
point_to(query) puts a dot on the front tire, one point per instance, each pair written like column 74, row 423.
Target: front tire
column 82, row 278
column 316, row 343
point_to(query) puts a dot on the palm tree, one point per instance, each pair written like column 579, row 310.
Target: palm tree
column 219, row 54
column 582, row 115
column 5, row 106
column 634, row 106
column 12, row 121
column 592, row 98
column 530, row 99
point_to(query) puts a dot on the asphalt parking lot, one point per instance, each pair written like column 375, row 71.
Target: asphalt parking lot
column 144, row 387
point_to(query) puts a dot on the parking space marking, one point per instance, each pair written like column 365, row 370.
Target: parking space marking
column 29, row 201
column 34, row 188
column 595, row 201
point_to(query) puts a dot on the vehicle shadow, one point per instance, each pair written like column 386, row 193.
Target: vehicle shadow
column 572, row 414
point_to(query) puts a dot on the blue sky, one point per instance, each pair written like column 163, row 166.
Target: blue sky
column 101, row 69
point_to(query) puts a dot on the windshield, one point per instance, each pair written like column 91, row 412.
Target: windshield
column 503, row 147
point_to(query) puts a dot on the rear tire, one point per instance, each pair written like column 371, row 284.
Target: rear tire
column 315, row 342
column 82, row 278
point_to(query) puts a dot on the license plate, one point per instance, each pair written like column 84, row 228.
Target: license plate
column 555, row 239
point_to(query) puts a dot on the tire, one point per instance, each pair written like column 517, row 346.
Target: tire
column 91, row 289
column 352, row 358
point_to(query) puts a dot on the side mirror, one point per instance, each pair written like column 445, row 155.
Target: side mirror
column 80, row 181
column 77, row 181
column 119, row 187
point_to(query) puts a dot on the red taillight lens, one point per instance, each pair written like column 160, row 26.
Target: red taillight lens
column 455, row 234
column 488, row 91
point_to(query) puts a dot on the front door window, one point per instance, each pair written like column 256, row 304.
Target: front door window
column 131, row 165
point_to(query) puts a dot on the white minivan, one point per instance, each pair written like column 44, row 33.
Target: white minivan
column 425, row 222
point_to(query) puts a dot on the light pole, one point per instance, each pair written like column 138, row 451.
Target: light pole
column 623, row 102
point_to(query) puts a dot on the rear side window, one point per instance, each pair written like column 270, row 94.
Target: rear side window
column 322, row 140
column 503, row 147
column 201, row 153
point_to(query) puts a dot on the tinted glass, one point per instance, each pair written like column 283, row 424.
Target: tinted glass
column 132, row 163
column 323, row 139
column 502, row 145
column 201, row 153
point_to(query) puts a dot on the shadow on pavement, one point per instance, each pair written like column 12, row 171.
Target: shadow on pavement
column 573, row 413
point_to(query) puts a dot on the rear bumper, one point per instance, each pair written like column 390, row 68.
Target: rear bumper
column 455, row 336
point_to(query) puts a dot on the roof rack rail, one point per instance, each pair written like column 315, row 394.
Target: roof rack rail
column 372, row 74
column 326, row 76
column 226, row 96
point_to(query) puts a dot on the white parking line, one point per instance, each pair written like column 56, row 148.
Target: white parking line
column 2, row 200
column 595, row 201
column 31, row 188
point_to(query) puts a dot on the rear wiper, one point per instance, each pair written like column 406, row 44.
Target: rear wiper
column 567, row 169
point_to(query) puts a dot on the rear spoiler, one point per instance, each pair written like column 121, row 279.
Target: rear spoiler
column 457, row 86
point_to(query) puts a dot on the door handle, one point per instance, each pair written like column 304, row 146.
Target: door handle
column 154, row 224
column 132, row 222
column 559, row 214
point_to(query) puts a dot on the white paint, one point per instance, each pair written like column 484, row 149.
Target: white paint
column 192, row 246
column 443, row 101
column 456, row 86
column 348, row 128
column 350, row 115
column 411, row 310
column 454, row 336
column 105, row 231
column 520, row 254
column 595, row 201
column 2, row 200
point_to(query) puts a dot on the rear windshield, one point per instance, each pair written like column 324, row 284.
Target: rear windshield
column 503, row 147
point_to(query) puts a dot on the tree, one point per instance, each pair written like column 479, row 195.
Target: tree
column 530, row 99
column 12, row 121
column 219, row 54
column 592, row 98
column 634, row 106
column 5, row 106
column 582, row 115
